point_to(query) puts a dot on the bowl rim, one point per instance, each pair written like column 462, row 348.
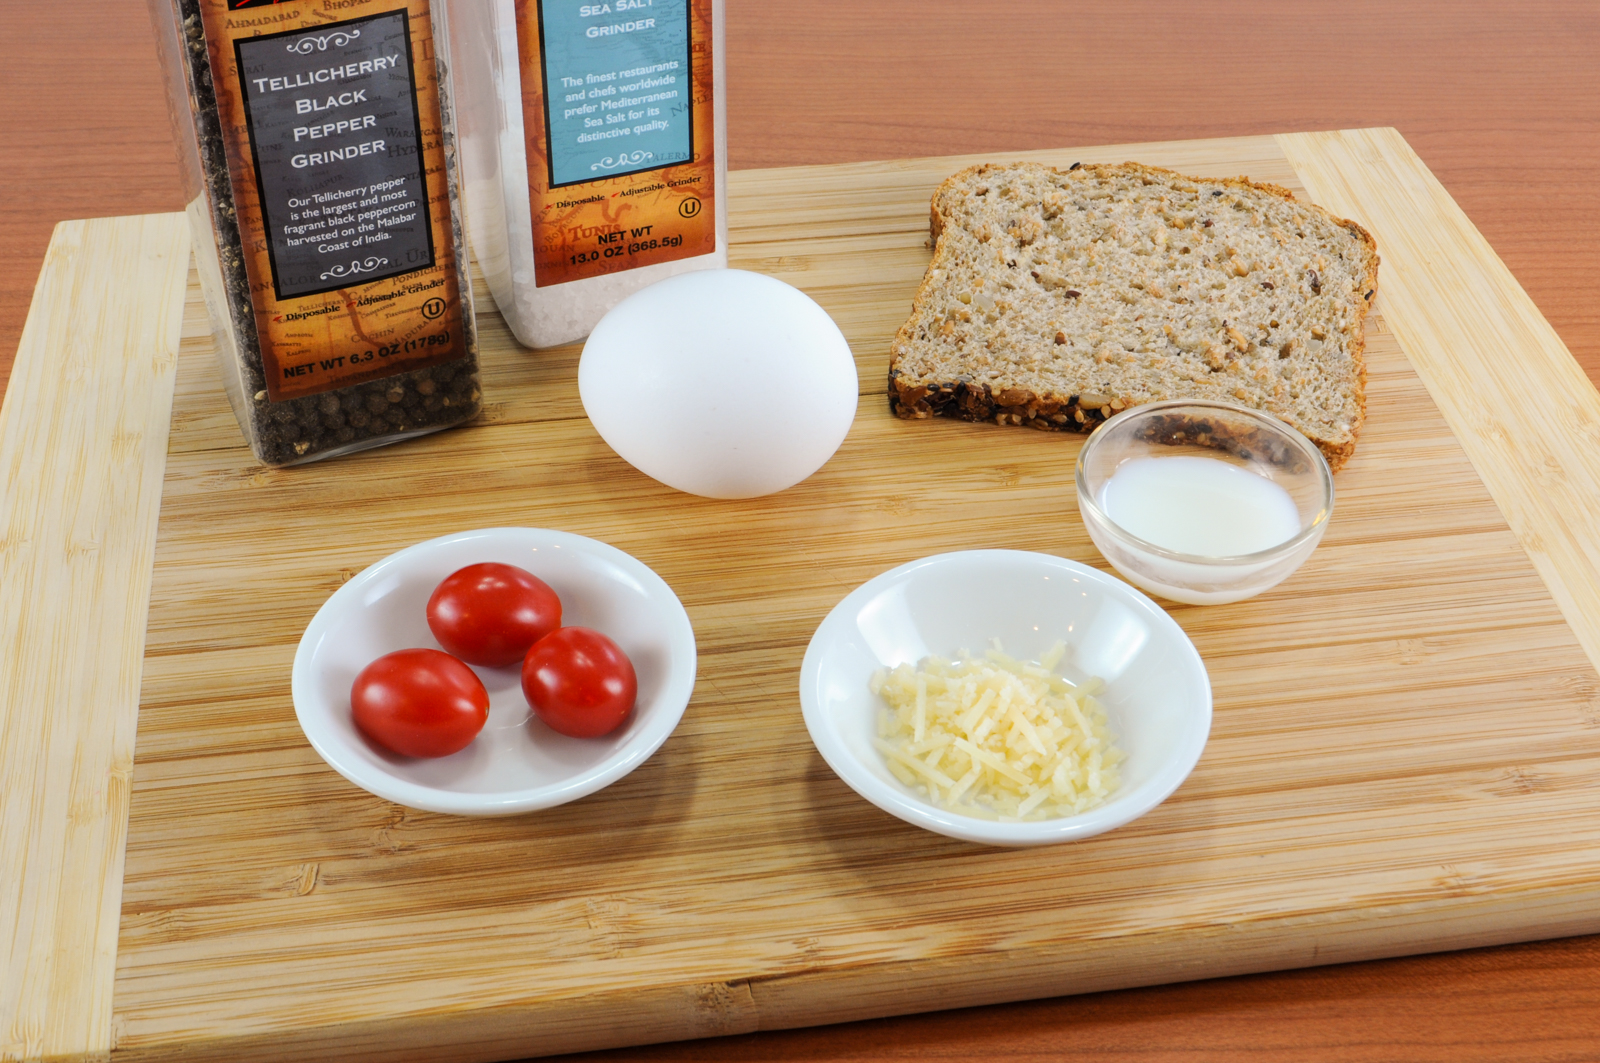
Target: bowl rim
column 1122, row 808
column 676, row 689
column 1088, row 503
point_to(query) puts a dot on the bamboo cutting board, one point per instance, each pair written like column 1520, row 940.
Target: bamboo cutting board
column 1405, row 753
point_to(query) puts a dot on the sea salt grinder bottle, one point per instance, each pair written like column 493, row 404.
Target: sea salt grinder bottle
column 593, row 151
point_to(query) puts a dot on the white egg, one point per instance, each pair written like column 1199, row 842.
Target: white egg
column 722, row 383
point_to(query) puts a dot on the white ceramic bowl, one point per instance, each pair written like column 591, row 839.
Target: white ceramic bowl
column 516, row 764
column 1157, row 698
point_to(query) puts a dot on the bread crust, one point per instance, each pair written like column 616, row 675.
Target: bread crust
column 963, row 397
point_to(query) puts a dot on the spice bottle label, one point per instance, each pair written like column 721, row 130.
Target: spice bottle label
column 335, row 152
column 618, row 113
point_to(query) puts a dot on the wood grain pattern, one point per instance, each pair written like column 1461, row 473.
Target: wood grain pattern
column 1516, row 1002
column 1501, row 102
column 83, row 440
column 1389, row 723
column 1524, row 412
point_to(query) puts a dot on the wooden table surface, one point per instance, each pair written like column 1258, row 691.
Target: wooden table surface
column 1501, row 101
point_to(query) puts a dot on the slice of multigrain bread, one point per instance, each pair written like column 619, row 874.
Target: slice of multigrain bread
column 1057, row 297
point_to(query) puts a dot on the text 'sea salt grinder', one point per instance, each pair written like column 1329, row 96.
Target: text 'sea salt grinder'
column 594, row 151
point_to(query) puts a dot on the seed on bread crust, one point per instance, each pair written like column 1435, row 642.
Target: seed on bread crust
column 1102, row 311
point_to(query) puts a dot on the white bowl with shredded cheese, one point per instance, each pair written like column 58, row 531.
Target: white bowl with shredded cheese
column 1005, row 697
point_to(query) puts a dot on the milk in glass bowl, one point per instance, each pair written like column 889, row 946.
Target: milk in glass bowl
column 1203, row 502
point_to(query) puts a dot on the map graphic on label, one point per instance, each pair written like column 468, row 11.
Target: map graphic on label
column 336, row 138
column 617, row 87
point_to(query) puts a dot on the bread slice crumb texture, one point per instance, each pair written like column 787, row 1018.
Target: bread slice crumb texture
column 1057, row 298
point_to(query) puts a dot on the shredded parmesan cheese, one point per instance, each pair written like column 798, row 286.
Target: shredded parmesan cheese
column 995, row 737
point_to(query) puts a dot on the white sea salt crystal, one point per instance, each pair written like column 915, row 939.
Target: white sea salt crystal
column 494, row 162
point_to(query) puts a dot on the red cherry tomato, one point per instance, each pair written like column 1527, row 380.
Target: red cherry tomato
column 579, row 682
column 490, row 614
column 419, row 703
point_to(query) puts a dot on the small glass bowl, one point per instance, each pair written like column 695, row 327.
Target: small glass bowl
column 1246, row 438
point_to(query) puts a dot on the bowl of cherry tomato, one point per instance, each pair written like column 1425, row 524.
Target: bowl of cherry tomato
column 442, row 680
